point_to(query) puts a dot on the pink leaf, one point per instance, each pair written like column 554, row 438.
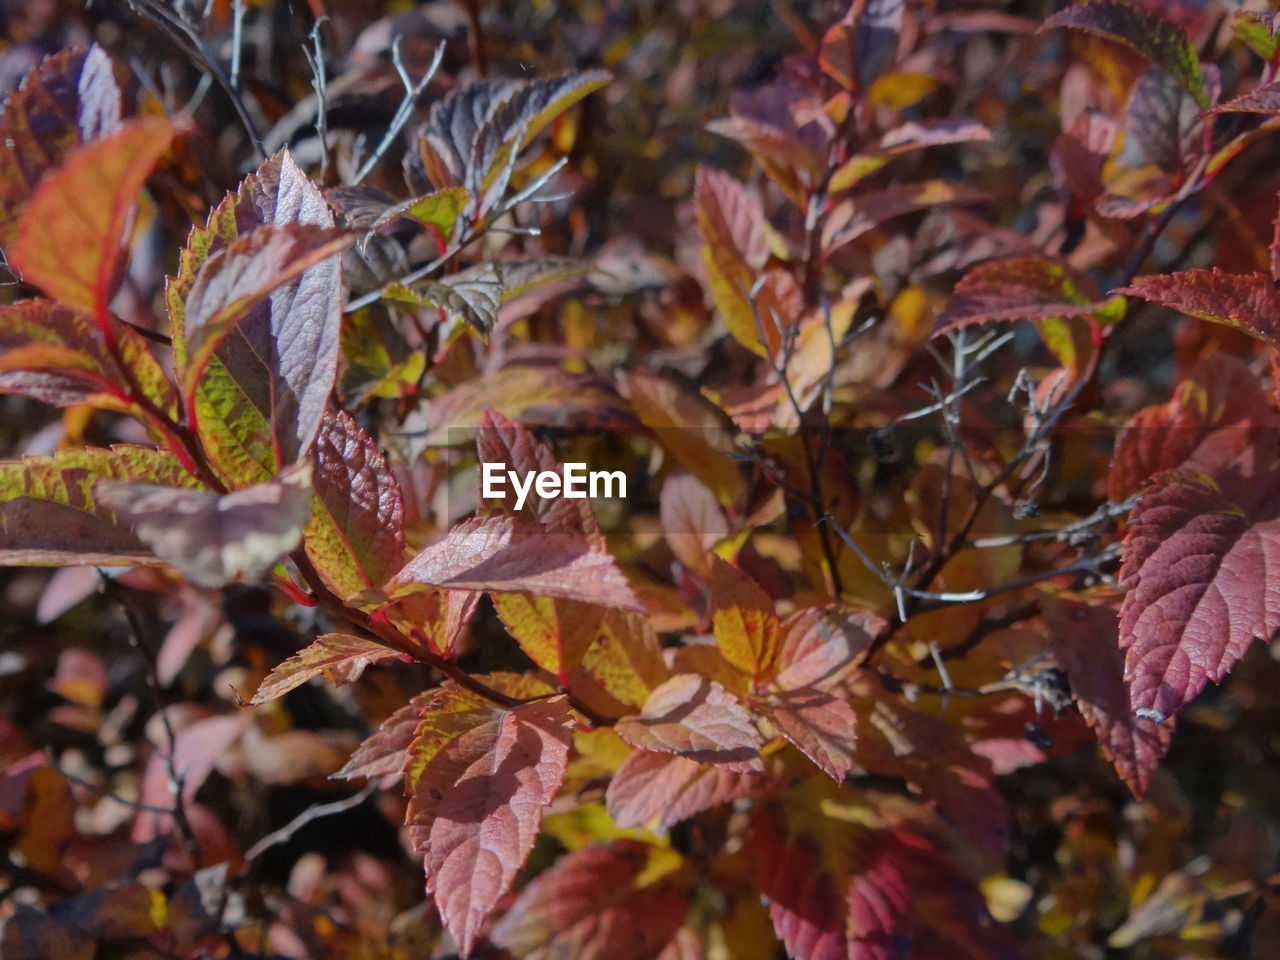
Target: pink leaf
column 696, row 718
column 672, row 788
column 339, row 657
column 822, row 726
column 477, row 808
column 510, row 555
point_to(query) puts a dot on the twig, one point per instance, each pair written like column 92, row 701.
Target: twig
column 411, row 93
column 312, row 813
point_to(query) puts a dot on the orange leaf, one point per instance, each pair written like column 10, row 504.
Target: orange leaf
column 70, row 233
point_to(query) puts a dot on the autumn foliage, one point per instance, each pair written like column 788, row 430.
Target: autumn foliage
column 935, row 343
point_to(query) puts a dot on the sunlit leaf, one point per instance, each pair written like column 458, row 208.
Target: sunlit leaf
column 477, row 805
column 742, row 616
column 71, row 233
column 696, row 718
column 1246, row 301
column 355, row 536
column 339, row 657
column 215, row 539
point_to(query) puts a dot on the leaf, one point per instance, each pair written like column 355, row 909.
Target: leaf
column 511, row 555
column 626, row 658
column 692, row 521
column 595, row 904
column 671, row 788
column 1258, row 31
column 473, row 295
column 471, row 134
column 355, row 535
column 273, row 337
column 443, row 716
column 56, row 356
column 50, row 515
column 385, row 751
column 727, row 214
column 696, row 718
column 259, row 401
column 70, row 233
column 212, row 539
column 744, row 622
column 1027, row 289
column 477, row 807
column 822, row 726
column 440, row 210
column 840, row 889
column 819, row 645
column 784, row 157
column 1217, row 414
column 554, row 633
column 689, row 427
column 1084, row 637
column 914, row 135
column 1163, row 122
column 864, row 212
column 69, row 99
column 534, row 396
column 339, row 657
column 1156, row 39
column 1199, row 574
column 1246, row 301
column 859, row 47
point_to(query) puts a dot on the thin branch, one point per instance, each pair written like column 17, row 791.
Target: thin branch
column 310, row 815
column 407, row 104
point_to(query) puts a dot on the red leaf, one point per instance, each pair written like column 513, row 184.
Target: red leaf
column 55, row 355
column 819, row 645
column 1028, row 289
column 1217, row 413
column 822, row 726
column 1246, row 301
column 1085, row 640
column 213, row 539
column 696, row 718
column 70, row 235
column 672, row 788
column 509, row 555
column 355, row 536
column 69, row 99
column 1157, row 39
column 1202, row 577
column 340, row 657
column 591, row 905
column 839, row 890
column 477, row 807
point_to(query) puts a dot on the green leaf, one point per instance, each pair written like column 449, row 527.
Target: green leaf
column 355, row 536
column 440, row 210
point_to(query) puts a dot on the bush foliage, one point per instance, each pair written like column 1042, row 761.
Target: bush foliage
column 932, row 342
